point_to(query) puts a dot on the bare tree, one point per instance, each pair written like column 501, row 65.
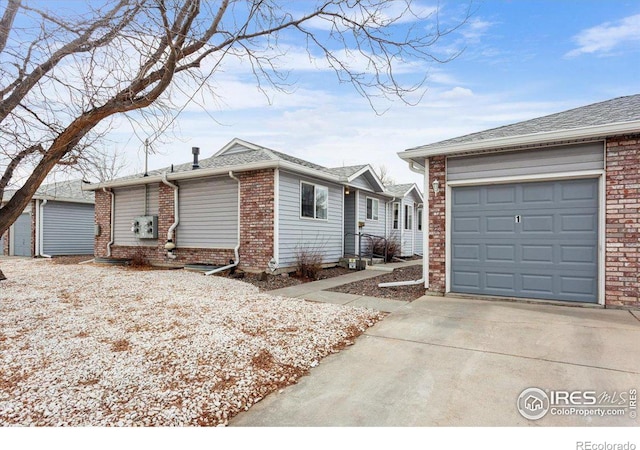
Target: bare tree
column 384, row 175
column 65, row 72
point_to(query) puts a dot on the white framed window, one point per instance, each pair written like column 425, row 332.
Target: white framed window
column 314, row 201
column 396, row 216
column 419, row 219
column 408, row 217
column 373, row 207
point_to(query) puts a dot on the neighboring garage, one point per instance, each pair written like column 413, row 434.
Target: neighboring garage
column 63, row 216
column 545, row 209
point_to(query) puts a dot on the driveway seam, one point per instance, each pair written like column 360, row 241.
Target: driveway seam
column 501, row 354
column 634, row 316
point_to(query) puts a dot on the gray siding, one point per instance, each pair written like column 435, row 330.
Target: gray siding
column 362, row 182
column 22, row 235
column 350, row 223
column 296, row 234
column 130, row 203
column 208, row 213
column 237, row 148
column 375, row 227
column 528, row 162
column 67, row 228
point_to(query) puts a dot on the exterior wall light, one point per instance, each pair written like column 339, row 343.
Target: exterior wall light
column 436, row 186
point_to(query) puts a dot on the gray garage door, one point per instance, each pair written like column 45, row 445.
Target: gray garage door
column 532, row 240
column 22, row 235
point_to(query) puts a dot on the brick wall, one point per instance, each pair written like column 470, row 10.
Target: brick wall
column 437, row 232
column 103, row 219
column 622, row 270
column 256, row 219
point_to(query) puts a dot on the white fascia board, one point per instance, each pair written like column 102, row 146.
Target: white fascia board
column 365, row 169
column 415, row 187
column 207, row 172
column 591, row 132
column 63, row 199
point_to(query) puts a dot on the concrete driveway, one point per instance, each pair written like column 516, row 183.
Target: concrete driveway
column 448, row 361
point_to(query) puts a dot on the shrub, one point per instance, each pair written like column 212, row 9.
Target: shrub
column 308, row 263
column 393, row 247
column 139, row 258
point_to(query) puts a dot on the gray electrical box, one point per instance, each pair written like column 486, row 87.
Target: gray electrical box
column 145, row 227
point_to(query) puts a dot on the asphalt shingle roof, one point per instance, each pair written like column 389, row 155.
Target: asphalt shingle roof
column 398, row 190
column 344, row 172
column 62, row 190
column 617, row 110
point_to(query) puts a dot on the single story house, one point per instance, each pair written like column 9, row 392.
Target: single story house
column 57, row 221
column 548, row 208
column 261, row 208
column 405, row 216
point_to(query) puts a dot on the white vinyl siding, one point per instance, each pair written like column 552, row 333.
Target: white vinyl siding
column 129, row 204
column 299, row 234
column 208, row 213
column 67, row 228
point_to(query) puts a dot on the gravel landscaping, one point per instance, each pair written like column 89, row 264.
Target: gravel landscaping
column 370, row 287
column 92, row 345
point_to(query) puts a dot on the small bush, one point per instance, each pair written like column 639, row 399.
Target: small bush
column 393, row 247
column 308, row 264
column 139, row 258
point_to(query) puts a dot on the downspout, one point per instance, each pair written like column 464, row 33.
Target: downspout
column 112, row 220
column 40, row 226
column 170, row 246
column 237, row 248
column 37, row 230
column 425, row 259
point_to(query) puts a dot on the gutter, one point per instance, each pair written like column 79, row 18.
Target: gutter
column 547, row 137
column 237, row 247
column 112, row 221
column 170, row 246
column 40, row 225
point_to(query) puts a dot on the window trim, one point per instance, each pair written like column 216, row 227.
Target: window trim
column 419, row 218
column 395, row 224
column 315, row 198
column 373, row 218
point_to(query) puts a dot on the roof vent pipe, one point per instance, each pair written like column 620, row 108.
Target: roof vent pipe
column 196, row 152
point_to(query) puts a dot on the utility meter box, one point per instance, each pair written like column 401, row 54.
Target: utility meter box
column 145, row 227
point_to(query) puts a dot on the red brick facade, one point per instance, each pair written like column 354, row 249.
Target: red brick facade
column 437, row 232
column 256, row 228
column 622, row 270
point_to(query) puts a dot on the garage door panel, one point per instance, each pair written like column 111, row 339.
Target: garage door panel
column 501, row 195
column 466, row 197
column 552, row 253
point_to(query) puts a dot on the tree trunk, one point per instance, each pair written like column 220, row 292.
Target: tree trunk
column 2, row 277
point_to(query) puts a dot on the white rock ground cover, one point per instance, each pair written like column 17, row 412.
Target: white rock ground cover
column 107, row 346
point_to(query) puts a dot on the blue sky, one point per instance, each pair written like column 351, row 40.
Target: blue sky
column 522, row 59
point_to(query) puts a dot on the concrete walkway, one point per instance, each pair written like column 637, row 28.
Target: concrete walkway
column 442, row 361
column 317, row 290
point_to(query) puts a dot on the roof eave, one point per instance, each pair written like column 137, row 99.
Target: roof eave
column 590, row 132
column 205, row 172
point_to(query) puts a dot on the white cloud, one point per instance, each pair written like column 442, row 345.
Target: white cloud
column 474, row 29
column 457, row 93
column 605, row 37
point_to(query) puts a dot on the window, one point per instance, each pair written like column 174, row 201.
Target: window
column 313, row 201
column 396, row 216
column 373, row 204
column 419, row 219
column 408, row 217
